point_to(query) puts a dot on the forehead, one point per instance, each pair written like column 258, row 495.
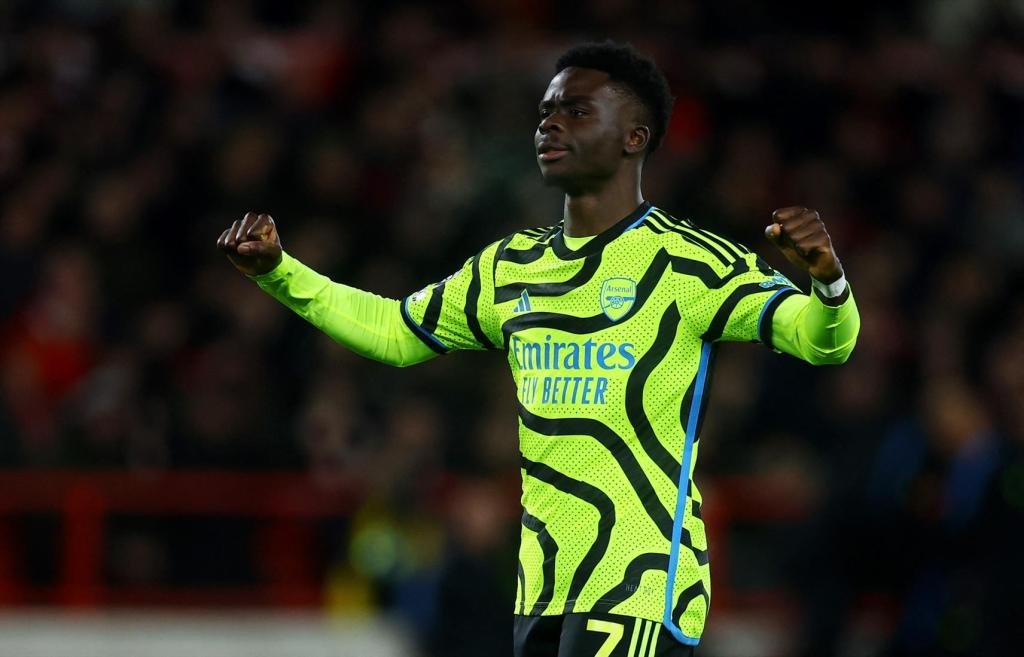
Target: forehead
column 574, row 82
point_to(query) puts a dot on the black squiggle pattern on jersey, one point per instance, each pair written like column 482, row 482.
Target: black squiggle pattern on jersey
column 701, row 556
column 521, row 574
column 583, row 325
column 583, row 426
column 591, row 495
column 764, row 329
column 524, row 256
column 498, row 255
column 721, row 318
column 551, row 232
column 725, row 242
column 535, row 232
column 541, row 236
column 473, row 305
column 728, row 247
column 631, row 578
column 635, row 386
column 658, row 223
column 433, row 312
column 660, row 229
column 684, row 407
column 734, row 249
column 512, row 291
column 697, row 589
column 550, row 549
column 424, row 337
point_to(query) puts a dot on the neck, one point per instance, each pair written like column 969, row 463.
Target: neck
column 590, row 213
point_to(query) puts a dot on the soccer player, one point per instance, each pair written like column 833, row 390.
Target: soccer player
column 610, row 319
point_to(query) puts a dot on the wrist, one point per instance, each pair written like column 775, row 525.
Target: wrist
column 832, row 290
column 278, row 270
column 826, row 269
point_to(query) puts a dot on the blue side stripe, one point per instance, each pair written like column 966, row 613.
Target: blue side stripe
column 640, row 220
column 681, row 505
column 764, row 308
column 423, row 333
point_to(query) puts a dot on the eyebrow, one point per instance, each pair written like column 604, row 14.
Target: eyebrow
column 568, row 100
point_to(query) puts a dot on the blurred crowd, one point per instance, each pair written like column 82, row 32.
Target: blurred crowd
column 392, row 140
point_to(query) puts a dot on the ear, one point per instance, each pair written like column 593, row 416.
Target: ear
column 637, row 139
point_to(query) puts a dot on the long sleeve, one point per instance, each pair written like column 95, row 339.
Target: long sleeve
column 805, row 327
column 370, row 325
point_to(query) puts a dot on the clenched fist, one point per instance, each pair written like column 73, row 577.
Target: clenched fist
column 802, row 238
column 252, row 244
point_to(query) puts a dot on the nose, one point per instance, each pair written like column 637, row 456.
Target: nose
column 548, row 123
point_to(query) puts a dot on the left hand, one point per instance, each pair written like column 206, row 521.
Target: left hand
column 801, row 236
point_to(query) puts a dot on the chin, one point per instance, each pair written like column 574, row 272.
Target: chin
column 561, row 179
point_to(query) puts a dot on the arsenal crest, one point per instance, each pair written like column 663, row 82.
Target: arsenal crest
column 617, row 297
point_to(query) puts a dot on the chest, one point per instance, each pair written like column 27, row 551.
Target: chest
column 605, row 287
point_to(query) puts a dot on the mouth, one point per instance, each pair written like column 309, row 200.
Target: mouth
column 551, row 152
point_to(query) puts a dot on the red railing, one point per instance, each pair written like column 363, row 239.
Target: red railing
column 84, row 501
column 286, row 503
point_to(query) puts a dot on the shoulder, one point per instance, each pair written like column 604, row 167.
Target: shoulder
column 524, row 238
column 530, row 237
column 523, row 246
column 538, row 233
column 684, row 238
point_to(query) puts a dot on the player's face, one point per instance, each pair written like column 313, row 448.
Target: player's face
column 583, row 130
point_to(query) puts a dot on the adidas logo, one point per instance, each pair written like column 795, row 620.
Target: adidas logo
column 524, row 304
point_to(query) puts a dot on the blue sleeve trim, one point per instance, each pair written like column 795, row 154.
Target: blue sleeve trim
column 764, row 320
column 425, row 337
column 692, row 420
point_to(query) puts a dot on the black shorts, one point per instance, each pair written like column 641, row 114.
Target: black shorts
column 594, row 634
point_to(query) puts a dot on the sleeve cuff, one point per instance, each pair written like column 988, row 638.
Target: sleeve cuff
column 278, row 273
column 835, row 313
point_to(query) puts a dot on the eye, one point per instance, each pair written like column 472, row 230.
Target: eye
column 577, row 112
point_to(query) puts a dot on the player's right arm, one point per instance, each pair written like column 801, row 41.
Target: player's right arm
column 369, row 325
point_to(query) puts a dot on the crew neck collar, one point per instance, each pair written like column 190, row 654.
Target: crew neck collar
column 600, row 240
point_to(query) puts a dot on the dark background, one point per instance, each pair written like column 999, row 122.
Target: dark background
column 392, row 140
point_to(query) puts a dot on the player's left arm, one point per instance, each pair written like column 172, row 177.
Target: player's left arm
column 821, row 328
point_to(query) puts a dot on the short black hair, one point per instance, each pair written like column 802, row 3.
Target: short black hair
column 639, row 75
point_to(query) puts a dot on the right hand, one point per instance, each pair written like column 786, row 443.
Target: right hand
column 252, row 244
